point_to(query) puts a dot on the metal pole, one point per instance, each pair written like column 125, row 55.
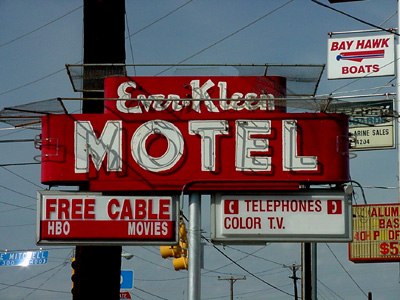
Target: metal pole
column 397, row 102
column 306, row 271
column 194, row 281
column 314, row 270
column 309, row 278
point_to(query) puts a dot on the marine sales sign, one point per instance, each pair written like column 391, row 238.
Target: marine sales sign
column 365, row 56
column 91, row 218
column 201, row 133
column 318, row 215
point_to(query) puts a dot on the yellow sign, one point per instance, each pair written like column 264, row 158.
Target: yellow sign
column 376, row 233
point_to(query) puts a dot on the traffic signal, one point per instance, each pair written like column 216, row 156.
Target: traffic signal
column 178, row 252
column 74, row 276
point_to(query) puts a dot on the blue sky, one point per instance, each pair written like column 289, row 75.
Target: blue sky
column 37, row 39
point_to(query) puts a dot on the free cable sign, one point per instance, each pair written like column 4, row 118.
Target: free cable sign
column 79, row 218
column 312, row 216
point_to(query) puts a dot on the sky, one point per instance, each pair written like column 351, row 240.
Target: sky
column 37, row 39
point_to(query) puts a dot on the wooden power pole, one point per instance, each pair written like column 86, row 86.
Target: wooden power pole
column 97, row 269
column 295, row 268
column 232, row 281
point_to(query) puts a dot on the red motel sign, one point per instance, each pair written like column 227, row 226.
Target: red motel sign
column 199, row 133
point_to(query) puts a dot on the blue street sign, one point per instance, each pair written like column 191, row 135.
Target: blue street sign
column 24, row 258
column 126, row 279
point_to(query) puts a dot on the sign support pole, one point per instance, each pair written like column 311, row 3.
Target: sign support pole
column 397, row 102
column 309, row 272
column 194, row 281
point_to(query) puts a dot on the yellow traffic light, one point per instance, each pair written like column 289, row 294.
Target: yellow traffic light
column 179, row 252
column 180, row 263
column 170, row 251
column 74, row 276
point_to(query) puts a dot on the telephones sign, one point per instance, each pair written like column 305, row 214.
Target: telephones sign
column 292, row 217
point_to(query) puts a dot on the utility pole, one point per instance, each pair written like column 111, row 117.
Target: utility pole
column 295, row 268
column 232, row 281
column 97, row 269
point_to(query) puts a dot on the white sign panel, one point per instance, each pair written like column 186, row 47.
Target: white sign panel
column 314, row 216
column 366, row 56
column 371, row 123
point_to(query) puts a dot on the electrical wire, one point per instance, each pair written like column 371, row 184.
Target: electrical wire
column 148, row 293
column 188, row 58
column 259, row 257
column 329, row 289
column 21, row 177
column 27, row 287
column 347, row 272
column 362, row 190
column 137, row 296
column 16, row 192
column 36, row 249
column 19, row 206
column 246, row 270
column 355, row 18
column 29, row 278
column 31, row 82
column 151, row 262
column 237, row 260
column 45, row 281
column 61, row 70
column 40, row 27
column 160, row 18
column 17, row 225
column 160, row 280
column 240, row 266
column 230, row 35
column 130, row 43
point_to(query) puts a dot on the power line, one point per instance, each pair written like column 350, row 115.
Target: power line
column 31, row 82
column 244, row 257
column 355, row 18
column 19, row 206
column 130, row 43
column 16, row 192
column 247, row 271
column 29, row 278
column 230, row 35
column 18, row 225
column 240, row 266
column 45, row 281
column 61, row 70
column 347, row 272
column 259, row 257
column 40, row 27
column 148, row 293
column 160, row 18
column 329, row 289
column 20, row 164
column 21, row 177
